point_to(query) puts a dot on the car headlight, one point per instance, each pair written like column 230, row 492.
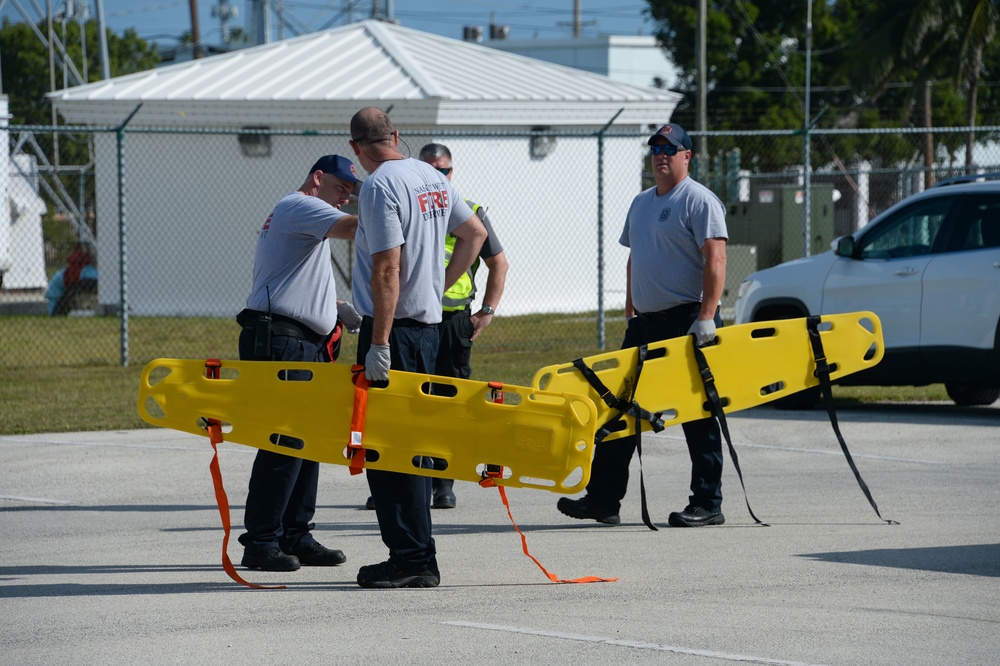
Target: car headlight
column 746, row 287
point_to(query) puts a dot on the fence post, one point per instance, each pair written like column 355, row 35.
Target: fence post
column 601, row 336
column 122, row 271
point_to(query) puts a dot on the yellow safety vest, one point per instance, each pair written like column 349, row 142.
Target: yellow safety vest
column 463, row 292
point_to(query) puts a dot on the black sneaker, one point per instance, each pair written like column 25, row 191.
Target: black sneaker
column 443, row 498
column 582, row 510
column 268, row 559
column 388, row 574
column 695, row 516
column 370, row 504
column 317, row 555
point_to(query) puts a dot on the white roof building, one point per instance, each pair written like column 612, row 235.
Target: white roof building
column 195, row 201
column 635, row 59
column 321, row 79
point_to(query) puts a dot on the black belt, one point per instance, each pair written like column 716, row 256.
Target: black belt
column 281, row 325
column 448, row 314
column 404, row 322
column 670, row 313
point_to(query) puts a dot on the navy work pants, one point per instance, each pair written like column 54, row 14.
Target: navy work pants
column 281, row 501
column 402, row 501
column 609, row 471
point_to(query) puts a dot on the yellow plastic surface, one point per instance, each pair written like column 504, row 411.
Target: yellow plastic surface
column 752, row 364
column 542, row 439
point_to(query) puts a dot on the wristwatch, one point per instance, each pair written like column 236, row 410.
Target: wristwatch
column 488, row 310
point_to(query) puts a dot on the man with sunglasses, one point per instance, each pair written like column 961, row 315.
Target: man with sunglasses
column 676, row 234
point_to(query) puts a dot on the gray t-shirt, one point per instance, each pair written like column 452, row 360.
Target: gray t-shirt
column 293, row 264
column 665, row 235
column 411, row 204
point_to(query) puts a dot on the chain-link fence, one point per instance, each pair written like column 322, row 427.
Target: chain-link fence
column 165, row 222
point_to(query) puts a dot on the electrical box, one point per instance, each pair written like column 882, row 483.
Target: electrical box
column 774, row 218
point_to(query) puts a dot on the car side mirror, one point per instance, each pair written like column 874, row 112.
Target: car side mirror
column 845, row 247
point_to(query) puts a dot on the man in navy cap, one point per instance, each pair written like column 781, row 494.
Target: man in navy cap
column 292, row 314
column 676, row 235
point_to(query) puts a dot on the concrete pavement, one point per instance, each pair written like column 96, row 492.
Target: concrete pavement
column 112, row 555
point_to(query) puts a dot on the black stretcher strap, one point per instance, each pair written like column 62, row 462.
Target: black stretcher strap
column 715, row 405
column 822, row 373
column 625, row 406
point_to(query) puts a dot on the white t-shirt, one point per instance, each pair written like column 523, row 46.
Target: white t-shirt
column 665, row 235
column 411, row 204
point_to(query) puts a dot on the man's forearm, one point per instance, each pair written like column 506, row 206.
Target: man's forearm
column 385, row 295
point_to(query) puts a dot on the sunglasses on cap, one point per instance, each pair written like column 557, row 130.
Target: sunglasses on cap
column 663, row 149
column 444, row 170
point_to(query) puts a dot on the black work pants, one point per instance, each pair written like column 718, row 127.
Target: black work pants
column 402, row 501
column 610, row 469
column 281, row 501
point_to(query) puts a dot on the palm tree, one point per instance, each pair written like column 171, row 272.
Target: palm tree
column 925, row 39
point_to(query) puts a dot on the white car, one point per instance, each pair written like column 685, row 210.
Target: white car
column 929, row 267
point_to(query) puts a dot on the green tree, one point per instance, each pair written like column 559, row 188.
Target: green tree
column 25, row 64
column 924, row 41
column 755, row 52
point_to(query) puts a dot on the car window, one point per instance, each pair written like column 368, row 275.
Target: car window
column 980, row 224
column 910, row 232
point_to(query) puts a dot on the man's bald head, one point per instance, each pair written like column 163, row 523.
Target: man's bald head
column 371, row 125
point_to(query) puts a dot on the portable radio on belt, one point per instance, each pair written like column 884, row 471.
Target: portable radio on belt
column 262, row 331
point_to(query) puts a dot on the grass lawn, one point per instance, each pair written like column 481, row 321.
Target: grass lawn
column 64, row 374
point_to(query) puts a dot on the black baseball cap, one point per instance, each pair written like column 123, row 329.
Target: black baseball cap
column 338, row 166
column 674, row 134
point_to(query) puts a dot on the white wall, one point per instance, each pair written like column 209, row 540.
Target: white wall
column 191, row 232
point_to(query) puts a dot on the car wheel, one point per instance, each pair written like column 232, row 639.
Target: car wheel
column 808, row 398
column 966, row 395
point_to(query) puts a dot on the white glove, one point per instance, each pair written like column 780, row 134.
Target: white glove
column 703, row 331
column 349, row 317
column 377, row 363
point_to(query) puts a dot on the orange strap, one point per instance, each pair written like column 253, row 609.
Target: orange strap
column 524, row 547
column 355, row 444
column 214, row 427
column 215, row 436
column 494, row 472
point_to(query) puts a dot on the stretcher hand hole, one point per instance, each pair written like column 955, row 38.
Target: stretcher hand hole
column 227, row 427
column 293, row 375
column 370, row 454
column 157, row 375
column 287, row 441
column 439, row 389
column 505, row 473
column 153, row 409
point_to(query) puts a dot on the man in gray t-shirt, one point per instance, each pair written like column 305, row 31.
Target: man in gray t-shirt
column 291, row 315
column 405, row 208
column 676, row 235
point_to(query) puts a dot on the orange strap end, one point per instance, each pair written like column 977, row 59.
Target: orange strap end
column 524, row 546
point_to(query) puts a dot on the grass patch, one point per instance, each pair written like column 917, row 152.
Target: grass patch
column 64, row 374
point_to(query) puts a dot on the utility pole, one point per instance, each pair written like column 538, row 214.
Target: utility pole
column 702, row 91
column 102, row 41
column 225, row 12
column 806, row 156
column 195, row 33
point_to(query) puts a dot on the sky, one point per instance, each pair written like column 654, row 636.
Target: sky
column 164, row 20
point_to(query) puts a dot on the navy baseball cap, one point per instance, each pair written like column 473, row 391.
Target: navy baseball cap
column 338, row 166
column 674, row 134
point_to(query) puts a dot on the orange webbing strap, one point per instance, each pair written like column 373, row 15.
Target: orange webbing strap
column 493, row 472
column 214, row 427
column 524, row 547
column 355, row 445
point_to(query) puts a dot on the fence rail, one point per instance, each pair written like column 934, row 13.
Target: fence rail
column 169, row 219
